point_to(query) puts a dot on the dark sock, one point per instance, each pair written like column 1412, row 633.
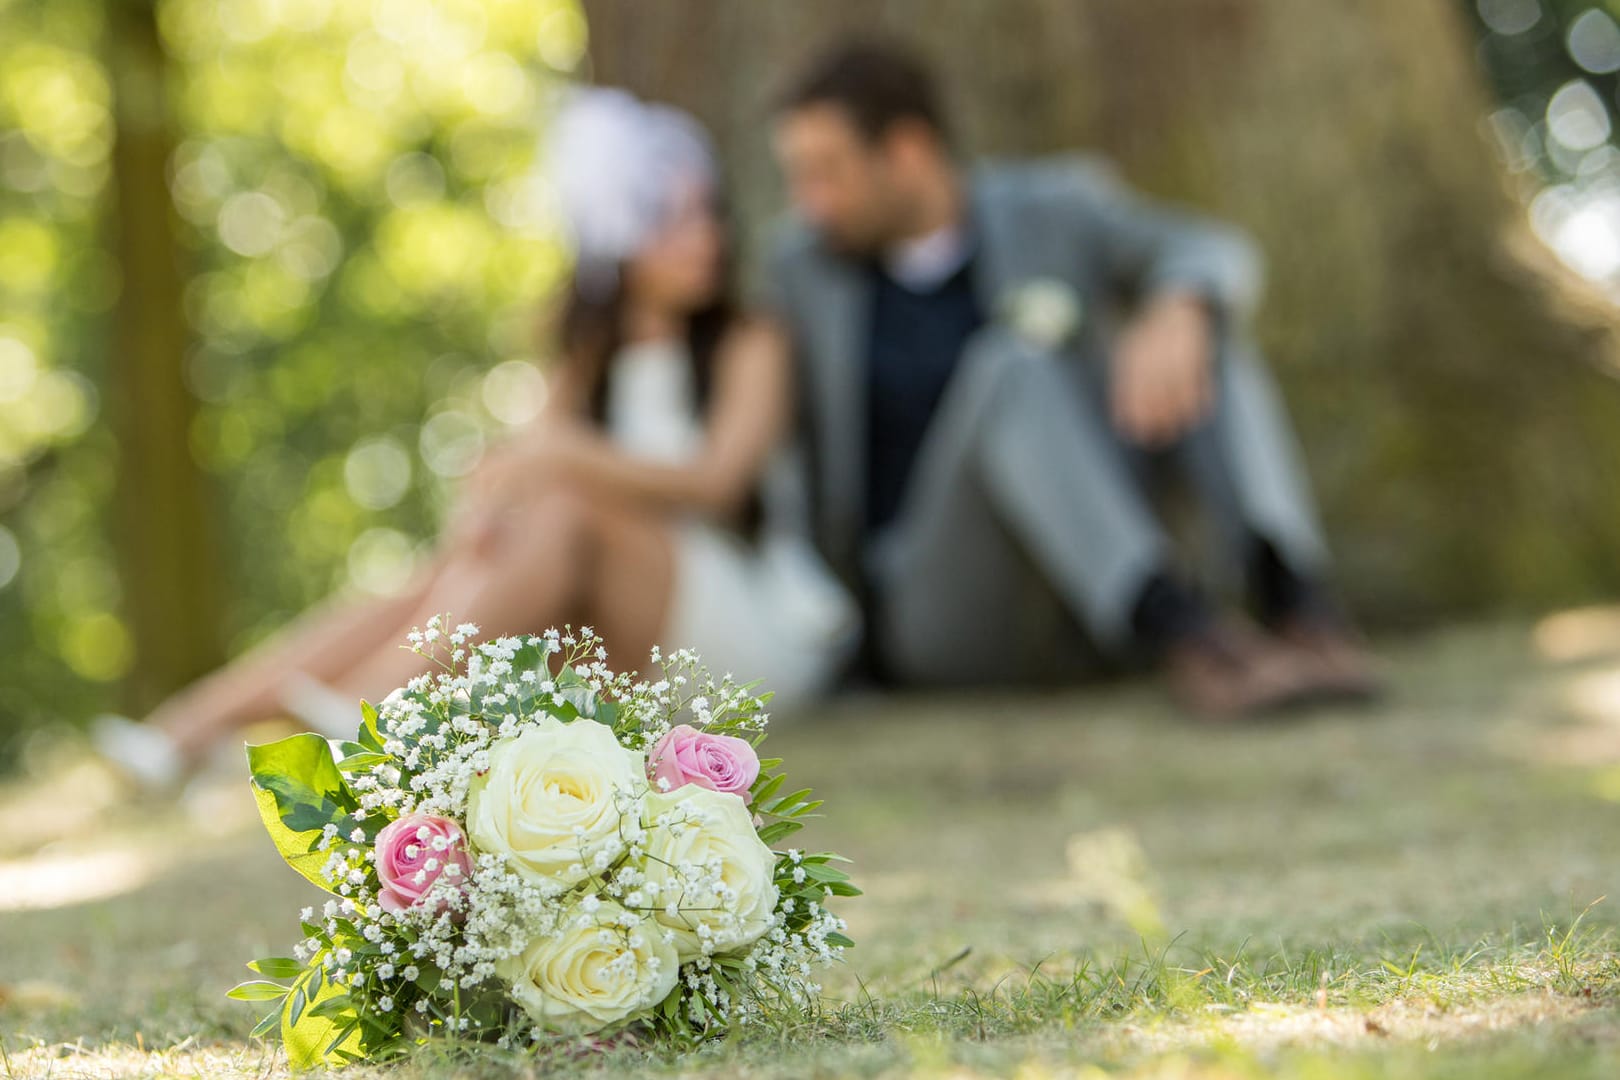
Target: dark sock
column 1278, row 592
column 1167, row 611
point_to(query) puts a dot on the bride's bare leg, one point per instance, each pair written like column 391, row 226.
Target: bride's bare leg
column 321, row 644
column 570, row 557
column 632, row 583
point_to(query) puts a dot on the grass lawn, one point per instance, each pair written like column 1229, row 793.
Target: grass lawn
column 1077, row 883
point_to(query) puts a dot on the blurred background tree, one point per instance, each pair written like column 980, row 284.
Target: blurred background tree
column 1453, row 385
column 168, row 549
column 269, row 271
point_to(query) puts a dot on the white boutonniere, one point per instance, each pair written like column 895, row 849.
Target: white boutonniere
column 1045, row 311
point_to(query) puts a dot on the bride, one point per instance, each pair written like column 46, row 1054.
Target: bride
column 635, row 502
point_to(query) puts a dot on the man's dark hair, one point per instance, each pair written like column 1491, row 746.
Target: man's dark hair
column 877, row 83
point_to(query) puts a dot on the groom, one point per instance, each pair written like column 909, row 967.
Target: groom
column 998, row 362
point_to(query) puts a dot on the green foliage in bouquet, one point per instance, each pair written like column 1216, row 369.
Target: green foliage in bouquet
column 526, row 845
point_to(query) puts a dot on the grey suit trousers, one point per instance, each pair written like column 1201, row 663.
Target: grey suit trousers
column 1027, row 533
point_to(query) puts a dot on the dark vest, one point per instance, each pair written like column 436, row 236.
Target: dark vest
column 915, row 342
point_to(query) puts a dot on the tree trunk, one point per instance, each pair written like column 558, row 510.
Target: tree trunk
column 1452, row 386
column 164, row 528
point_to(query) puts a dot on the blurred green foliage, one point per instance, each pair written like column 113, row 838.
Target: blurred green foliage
column 1531, row 49
column 365, row 250
column 1555, row 67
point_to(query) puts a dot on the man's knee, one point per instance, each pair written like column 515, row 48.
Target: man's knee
column 1016, row 391
column 996, row 354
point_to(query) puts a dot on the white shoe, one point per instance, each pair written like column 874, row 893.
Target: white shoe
column 321, row 708
column 141, row 752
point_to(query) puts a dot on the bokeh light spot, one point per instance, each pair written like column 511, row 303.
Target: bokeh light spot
column 514, row 391
column 250, row 223
column 1594, row 42
column 18, row 369
column 451, row 443
column 377, row 473
column 97, row 647
column 1510, row 16
column 381, row 561
column 1577, row 117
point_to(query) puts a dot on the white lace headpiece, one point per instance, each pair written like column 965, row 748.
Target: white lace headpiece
column 617, row 166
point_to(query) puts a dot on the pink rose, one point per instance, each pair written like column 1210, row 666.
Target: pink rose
column 718, row 762
column 412, row 852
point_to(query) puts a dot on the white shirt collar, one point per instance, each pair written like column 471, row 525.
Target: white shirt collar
column 926, row 262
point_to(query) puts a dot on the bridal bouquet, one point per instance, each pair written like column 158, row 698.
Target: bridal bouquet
column 526, row 846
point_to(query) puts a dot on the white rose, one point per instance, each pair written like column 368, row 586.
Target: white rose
column 693, row 833
column 552, row 798
column 597, row 969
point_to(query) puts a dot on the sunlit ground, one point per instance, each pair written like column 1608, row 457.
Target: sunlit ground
column 1056, row 885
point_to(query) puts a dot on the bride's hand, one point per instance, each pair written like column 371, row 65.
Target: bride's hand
column 511, row 473
column 510, row 467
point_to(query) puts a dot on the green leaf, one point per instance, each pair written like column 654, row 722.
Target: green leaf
column 334, row 1048
column 363, row 760
column 582, row 698
column 267, row 1024
column 823, row 872
column 835, row 938
column 313, row 1040
column 764, row 789
column 332, row 1007
column 428, row 978
column 257, row 990
column 782, row 805
column 719, row 974
column 370, row 735
column 299, row 790
column 299, row 998
column 278, row 967
column 778, row 830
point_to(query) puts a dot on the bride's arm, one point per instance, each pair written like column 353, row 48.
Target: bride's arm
column 748, row 413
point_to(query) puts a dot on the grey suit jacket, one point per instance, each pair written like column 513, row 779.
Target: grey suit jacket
column 1064, row 218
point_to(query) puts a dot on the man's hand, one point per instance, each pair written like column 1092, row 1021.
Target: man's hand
column 1163, row 383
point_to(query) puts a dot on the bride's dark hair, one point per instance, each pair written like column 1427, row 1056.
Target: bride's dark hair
column 591, row 331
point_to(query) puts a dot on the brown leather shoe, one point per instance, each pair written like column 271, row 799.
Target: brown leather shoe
column 1232, row 670
column 1345, row 669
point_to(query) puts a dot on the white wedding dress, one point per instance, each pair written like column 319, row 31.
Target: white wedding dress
column 768, row 609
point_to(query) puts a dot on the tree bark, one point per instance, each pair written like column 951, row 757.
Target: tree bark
column 1454, row 388
column 165, row 530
